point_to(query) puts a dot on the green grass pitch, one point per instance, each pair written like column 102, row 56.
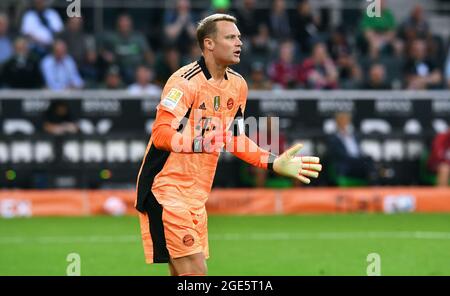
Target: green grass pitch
column 408, row 244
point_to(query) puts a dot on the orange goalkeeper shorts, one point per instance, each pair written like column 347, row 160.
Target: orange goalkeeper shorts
column 172, row 232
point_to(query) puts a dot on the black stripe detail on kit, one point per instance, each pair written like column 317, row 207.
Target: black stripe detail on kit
column 196, row 67
column 234, row 73
column 153, row 164
column 193, row 74
column 184, row 121
column 235, row 126
column 154, row 211
column 146, row 201
column 205, row 70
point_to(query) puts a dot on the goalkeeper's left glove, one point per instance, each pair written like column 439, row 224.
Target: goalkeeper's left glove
column 299, row 167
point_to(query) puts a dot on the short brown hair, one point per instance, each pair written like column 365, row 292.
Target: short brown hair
column 207, row 26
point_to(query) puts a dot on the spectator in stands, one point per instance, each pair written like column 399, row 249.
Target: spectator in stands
column 194, row 53
column 338, row 44
column 305, row 26
column 92, row 68
column 319, row 71
column 75, row 39
column 267, row 131
column 258, row 79
column 349, row 71
column 113, row 80
column 343, row 149
column 379, row 32
column 279, row 22
column 167, row 63
column 179, row 26
column 416, row 26
column 21, row 70
column 377, row 78
column 420, row 71
column 284, row 72
column 126, row 48
column 262, row 46
column 6, row 46
column 248, row 19
column 447, row 68
column 58, row 119
column 439, row 160
column 59, row 69
column 143, row 85
column 40, row 24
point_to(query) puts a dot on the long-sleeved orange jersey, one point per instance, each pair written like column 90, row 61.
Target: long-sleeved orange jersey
column 191, row 105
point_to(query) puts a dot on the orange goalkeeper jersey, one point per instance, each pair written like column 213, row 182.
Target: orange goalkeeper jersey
column 197, row 107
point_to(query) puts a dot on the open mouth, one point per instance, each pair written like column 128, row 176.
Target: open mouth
column 237, row 53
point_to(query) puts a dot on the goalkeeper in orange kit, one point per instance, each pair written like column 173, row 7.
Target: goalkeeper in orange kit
column 200, row 105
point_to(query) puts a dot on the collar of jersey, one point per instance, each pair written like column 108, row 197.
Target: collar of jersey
column 205, row 70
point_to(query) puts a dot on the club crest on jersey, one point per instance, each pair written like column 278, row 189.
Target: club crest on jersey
column 230, row 103
column 216, row 103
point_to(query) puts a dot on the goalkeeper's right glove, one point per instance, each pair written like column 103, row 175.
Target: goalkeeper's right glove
column 299, row 167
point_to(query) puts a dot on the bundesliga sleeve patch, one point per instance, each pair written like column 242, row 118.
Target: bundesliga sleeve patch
column 172, row 98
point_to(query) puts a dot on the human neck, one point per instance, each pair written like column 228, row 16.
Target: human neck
column 216, row 70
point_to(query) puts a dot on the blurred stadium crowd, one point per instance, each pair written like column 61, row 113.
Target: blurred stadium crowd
column 288, row 46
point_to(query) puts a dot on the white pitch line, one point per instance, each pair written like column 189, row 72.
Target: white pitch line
column 334, row 235
column 70, row 239
column 276, row 236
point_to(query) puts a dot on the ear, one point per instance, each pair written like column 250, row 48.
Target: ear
column 208, row 43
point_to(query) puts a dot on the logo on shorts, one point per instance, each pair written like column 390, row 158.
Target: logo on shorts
column 188, row 240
